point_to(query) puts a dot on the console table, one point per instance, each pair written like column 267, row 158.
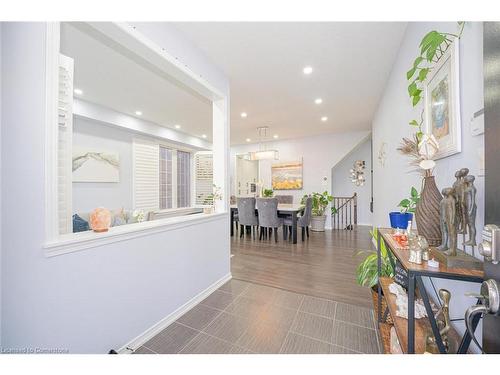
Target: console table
column 406, row 328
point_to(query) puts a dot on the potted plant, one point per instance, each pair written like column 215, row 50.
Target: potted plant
column 267, row 193
column 319, row 204
column 367, row 272
column 407, row 206
column 211, row 200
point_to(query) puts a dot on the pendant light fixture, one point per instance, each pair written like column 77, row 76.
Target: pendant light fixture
column 263, row 153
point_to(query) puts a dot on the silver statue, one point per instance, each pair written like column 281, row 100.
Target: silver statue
column 448, row 212
column 443, row 323
column 469, row 193
column 458, row 187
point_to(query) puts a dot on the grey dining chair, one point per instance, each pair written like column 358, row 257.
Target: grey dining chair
column 246, row 214
column 267, row 209
column 284, row 199
column 303, row 221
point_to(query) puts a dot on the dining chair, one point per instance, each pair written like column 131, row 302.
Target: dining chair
column 303, row 221
column 284, row 199
column 246, row 214
column 267, row 209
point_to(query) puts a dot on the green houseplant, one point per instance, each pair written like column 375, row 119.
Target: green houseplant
column 407, row 210
column 366, row 273
column 267, row 193
column 320, row 202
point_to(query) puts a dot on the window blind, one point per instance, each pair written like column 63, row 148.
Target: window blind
column 166, row 178
column 64, row 145
column 203, row 164
column 145, row 175
column 183, row 179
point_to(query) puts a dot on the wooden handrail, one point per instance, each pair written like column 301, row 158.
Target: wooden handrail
column 346, row 215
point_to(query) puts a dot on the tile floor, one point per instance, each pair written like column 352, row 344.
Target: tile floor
column 242, row 317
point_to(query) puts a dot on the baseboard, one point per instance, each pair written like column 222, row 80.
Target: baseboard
column 169, row 319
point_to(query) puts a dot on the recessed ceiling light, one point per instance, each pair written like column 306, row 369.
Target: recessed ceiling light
column 244, row 114
column 275, row 136
column 204, row 136
column 307, row 70
column 248, row 139
column 324, row 118
column 78, row 91
column 177, row 126
column 318, row 101
column 138, row 113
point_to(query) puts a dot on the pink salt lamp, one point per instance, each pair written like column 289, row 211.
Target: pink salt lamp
column 100, row 219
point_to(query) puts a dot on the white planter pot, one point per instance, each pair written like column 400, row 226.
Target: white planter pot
column 318, row 223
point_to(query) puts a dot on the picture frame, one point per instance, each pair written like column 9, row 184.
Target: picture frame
column 287, row 175
column 442, row 103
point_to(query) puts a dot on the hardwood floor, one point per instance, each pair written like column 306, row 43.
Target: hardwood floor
column 323, row 265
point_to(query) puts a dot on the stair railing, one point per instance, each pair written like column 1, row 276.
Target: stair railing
column 345, row 213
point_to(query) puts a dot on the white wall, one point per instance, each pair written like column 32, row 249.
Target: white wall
column 343, row 187
column 95, row 136
column 319, row 154
column 96, row 299
column 1, row 74
column 392, row 183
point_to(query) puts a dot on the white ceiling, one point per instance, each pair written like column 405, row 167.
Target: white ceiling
column 264, row 63
column 113, row 78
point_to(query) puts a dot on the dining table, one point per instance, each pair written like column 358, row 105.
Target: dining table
column 284, row 209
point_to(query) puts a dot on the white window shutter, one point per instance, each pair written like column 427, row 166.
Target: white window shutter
column 64, row 145
column 146, row 173
column 203, row 177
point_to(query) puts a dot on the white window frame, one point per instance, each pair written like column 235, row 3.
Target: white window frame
column 124, row 33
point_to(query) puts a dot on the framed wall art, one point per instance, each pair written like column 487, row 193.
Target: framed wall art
column 442, row 103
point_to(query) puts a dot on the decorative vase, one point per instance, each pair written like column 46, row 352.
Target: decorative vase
column 318, row 223
column 427, row 212
column 100, row 219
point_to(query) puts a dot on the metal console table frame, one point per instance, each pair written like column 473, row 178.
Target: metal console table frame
column 415, row 275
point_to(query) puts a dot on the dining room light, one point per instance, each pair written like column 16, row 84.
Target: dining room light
column 275, row 136
column 78, row 91
column 138, row 113
column 324, row 118
column 318, row 101
column 204, row 136
column 177, row 126
column 248, row 140
column 307, row 70
column 244, row 114
column 262, row 153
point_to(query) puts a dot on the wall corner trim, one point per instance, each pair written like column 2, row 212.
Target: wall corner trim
column 145, row 336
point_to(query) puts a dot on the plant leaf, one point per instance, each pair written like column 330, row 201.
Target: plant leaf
column 412, row 88
column 410, row 73
column 423, row 74
column 416, row 98
column 404, row 203
column 414, row 192
column 414, row 123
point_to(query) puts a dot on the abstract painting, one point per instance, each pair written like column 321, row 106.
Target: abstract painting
column 287, row 176
column 92, row 166
column 442, row 103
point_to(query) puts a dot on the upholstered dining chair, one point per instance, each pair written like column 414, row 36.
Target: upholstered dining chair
column 303, row 221
column 284, row 199
column 246, row 214
column 268, row 216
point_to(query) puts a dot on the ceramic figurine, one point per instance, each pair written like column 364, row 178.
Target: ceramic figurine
column 448, row 212
column 469, row 193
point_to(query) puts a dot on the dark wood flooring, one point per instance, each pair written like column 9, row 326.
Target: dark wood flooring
column 323, row 265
